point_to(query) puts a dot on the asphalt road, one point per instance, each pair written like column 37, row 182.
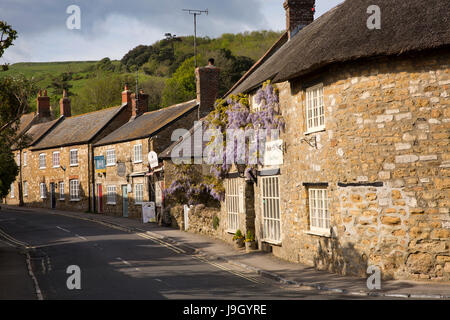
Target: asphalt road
column 118, row 265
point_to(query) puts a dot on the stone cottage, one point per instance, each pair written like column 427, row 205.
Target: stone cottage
column 58, row 168
column 32, row 127
column 127, row 181
column 364, row 179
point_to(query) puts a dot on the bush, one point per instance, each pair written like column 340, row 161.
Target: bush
column 238, row 235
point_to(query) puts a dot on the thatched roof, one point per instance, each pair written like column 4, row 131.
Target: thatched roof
column 341, row 35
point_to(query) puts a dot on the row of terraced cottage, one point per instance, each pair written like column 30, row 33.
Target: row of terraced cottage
column 365, row 173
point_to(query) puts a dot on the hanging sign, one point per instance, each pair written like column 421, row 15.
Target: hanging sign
column 273, row 155
column 100, row 164
column 152, row 159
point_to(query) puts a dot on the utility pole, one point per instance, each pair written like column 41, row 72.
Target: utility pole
column 195, row 13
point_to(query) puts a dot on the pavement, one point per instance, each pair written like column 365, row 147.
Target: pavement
column 264, row 264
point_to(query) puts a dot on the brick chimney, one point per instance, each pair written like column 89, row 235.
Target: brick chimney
column 43, row 104
column 299, row 13
column 141, row 107
column 126, row 96
column 65, row 107
column 207, row 87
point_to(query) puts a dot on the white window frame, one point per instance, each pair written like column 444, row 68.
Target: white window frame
column 319, row 213
column 62, row 195
column 42, row 159
column 232, row 204
column 74, row 190
column 25, row 188
column 73, row 164
column 24, row 159
column 111, row 157
column 271, row 209
column 18, row 159
column 43, row 190
column 58, row 158
column 138, row 155
column 111, row 195
column 11, row 192
column 315, row 109
column 139, row 193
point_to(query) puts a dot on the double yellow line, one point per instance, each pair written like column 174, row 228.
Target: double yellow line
column 161, row 242
column 13, row 240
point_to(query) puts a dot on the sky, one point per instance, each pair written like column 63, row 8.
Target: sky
column 110, row 28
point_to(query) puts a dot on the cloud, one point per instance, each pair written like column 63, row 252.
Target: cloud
column 112, row 27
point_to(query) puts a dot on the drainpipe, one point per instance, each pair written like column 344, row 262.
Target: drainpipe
column 21, row 204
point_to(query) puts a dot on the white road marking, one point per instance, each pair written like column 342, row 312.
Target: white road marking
column 127, row 263
column 36, row 284
column 65, row 230
column 83, row 238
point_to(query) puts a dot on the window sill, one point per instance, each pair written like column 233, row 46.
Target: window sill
column 42, row 168
column 325, row 234
column 137, row 162
column 62, row 199
column 111, row 203
column 56, row 167
column 75, row 200
column 314, row 131
column 231, row 231
column 74, row 165
column 111, row 165
column 273, row 242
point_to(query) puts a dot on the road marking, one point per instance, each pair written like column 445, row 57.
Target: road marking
column 222, row 267
column 14, row 240
column 127, row 263
column 83, row 238
column 36, row 284
column 65, row 230
column 161, row 242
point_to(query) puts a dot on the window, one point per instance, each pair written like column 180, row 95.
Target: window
column 232, row 203
column 42, row 164
column 43, row 190
column 315, row 111
column 18, row 159
column 74, row 190
column 62, row 196
column 139, row 193
column 55, row 160
column 111, row 157
column 24, row 159
column 319, row 215
column 138, row 153
column 270, row 191
column 111, row 195
column 74, row 157
column 25, row 189
column 12, row 190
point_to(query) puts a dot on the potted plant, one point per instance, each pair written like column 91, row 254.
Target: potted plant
column 238, row 239
column 250, row 243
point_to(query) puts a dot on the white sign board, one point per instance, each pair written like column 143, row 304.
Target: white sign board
column 273, row 155
column 152, row 159
column 186, row 217
column 148, row 212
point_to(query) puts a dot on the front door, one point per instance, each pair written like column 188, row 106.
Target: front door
column 125, row 201
column 100, row 198
column 53, row 195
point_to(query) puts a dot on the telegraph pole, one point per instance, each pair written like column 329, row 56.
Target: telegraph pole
column 195, row 13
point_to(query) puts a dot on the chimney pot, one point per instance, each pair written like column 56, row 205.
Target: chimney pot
column 142, row 104
column 126, row 96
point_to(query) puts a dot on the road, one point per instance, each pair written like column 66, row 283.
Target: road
column 115, row 264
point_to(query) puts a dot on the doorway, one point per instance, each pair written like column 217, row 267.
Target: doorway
column 125, row 201
column 100, row 198
column 53, row 195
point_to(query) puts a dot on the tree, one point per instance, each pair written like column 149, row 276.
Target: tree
column 7, row 36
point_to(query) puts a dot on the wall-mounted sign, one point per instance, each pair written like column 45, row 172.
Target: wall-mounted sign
column 100, row 164
column 121, row 169
column 152, row 159
column 273, row 155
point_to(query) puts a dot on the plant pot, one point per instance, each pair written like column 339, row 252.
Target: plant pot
column 250, row 246
column 239, row 243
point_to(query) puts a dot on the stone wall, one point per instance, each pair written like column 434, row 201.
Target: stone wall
column 385, row 157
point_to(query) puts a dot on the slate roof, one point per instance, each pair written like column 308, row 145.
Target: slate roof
column 147, row 124
column 342, row 35
column 79, row 129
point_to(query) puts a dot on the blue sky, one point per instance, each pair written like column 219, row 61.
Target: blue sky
column 110, row 28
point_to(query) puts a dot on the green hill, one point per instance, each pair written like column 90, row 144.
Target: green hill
column 163, row 68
